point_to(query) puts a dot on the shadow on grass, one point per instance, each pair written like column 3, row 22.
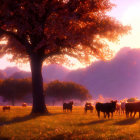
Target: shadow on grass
column 64, row 136
column 52, row 114
column 4, row 138
column 3, row 120
column 93, row 122
column 18, row 119
column 58, row 137
column 127, row 121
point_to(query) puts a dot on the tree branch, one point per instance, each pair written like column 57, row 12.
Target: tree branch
column 50, row 54
column 20, row 40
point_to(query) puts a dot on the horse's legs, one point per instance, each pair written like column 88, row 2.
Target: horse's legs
column 131, row 114
column 111, row 114
column 108, row 114
column 98, row 113
column 63, row 109
column 127, row 114
column 104, row 115
column 134, row 114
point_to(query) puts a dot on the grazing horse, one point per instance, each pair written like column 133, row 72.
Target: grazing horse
column 118, row 108
column 24, row 104
column 123, row 107
column 88, row 106
column 132, row 107
column 68, row 106
column 106, row 108
column 7, row 107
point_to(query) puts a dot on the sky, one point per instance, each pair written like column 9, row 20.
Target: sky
column 126, row 11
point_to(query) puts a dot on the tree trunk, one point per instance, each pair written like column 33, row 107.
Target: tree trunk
column 13, row 101
column 37, row 85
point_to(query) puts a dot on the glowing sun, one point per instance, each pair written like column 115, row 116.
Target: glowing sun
column 130, row 17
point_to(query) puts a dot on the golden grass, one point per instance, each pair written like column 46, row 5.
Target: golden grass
column 19, row 125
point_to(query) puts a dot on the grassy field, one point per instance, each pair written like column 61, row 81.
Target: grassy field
column 19, row 125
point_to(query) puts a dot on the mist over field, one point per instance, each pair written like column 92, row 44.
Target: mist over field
column 117, row 78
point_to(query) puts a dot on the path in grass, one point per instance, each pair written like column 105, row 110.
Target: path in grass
column 19, row 125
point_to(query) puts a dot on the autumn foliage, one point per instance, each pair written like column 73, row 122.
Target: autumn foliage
column 67, row 91
column 14, row 89
column 52, row 30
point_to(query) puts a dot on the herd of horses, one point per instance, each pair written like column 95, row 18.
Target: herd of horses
column 105, row 108
column 109, row 108
column 7, row 107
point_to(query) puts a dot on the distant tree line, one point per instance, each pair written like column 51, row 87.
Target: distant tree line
column 62, row 91
column 17, row 89
column 14, row 89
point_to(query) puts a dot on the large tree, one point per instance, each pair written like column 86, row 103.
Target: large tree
column 54, row 30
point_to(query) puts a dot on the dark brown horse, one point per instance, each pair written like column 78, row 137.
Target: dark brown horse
column 132, row 108
column 106, row 108
column 88, row 106
column 7, row 107
column 68, row 106
column 24, row 104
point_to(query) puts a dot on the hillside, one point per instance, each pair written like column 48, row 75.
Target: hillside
column 119, row 77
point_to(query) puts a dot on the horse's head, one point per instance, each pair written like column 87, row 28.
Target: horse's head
column 88, row 104
column 114, row 104
column 71, row 102
column 115, row 101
